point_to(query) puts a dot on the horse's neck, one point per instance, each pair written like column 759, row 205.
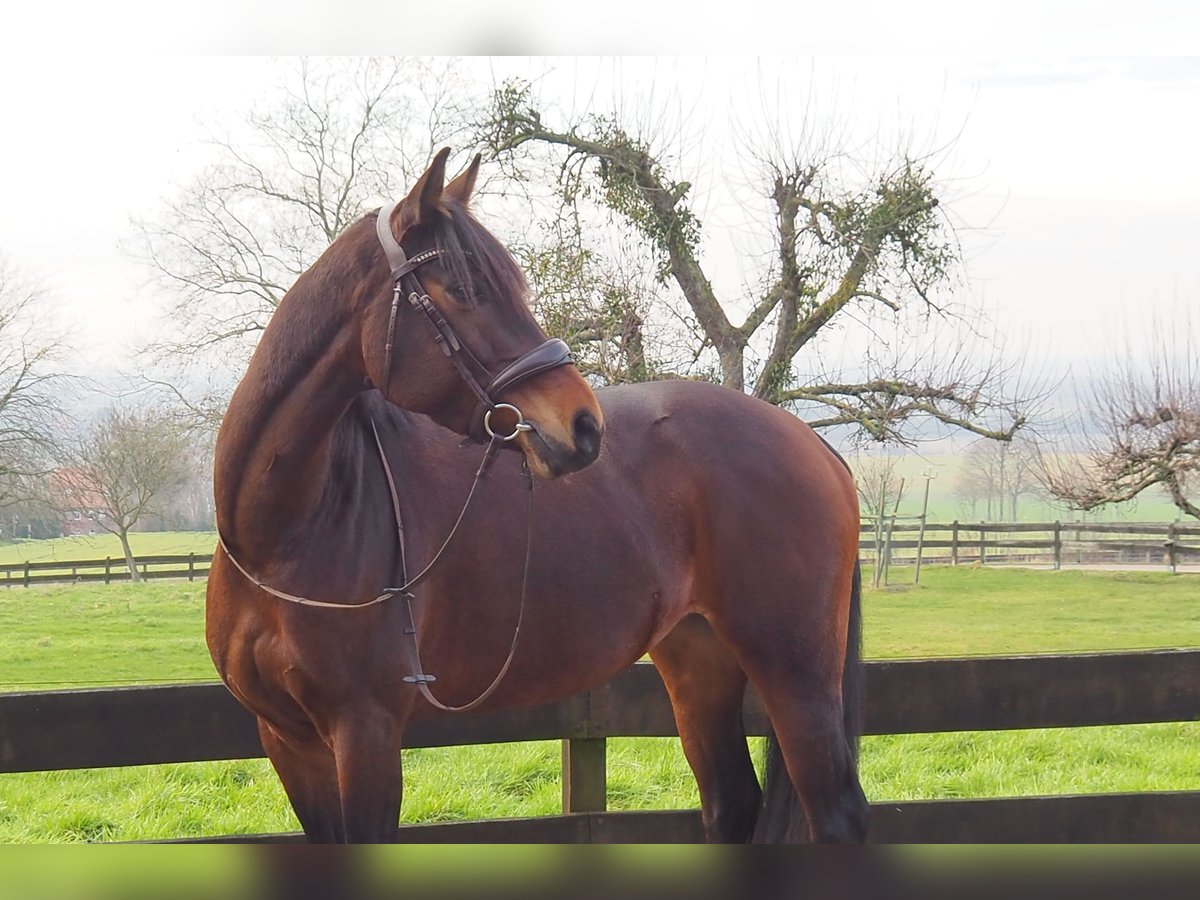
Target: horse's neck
column 273, row 451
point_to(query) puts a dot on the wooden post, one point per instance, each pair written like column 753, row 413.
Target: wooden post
column 108, row 570
column 1172, row 559
column 26, row 573
column 192, row 566
column 982, row 547
column 1057, row 546
column 954, row 543
column 879, row 550
column 584, row 775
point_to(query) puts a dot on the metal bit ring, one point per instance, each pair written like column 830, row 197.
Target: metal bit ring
column 521, row 425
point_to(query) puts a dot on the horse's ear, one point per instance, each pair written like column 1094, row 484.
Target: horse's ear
column 424, row 201
column 461, row 188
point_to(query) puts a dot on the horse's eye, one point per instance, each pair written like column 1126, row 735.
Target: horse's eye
column 458, row 292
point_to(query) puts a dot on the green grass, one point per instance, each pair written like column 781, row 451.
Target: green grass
column 98, row 546
column 91, row 635
column 974, row 610
column 61, row 636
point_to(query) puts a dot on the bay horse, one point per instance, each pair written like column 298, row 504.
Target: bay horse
column 714, row 531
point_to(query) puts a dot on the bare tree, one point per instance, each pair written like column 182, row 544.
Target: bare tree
column 335, row 138
column 879, row 485
column 123, row 468
column 839, row 247
column 1139, row 429
column 30, row 390
column 998, row 475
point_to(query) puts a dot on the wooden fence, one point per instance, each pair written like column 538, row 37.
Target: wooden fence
column 187, row 565
column 1168, row 544
column 185, row 723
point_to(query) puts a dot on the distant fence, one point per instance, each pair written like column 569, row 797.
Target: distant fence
column 184, row 723
column 1168, row 544
column 187, row 565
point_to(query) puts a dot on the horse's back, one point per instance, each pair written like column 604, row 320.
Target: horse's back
column 723, row 436
column 763, row 496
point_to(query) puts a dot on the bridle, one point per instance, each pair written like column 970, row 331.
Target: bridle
column 546, row 356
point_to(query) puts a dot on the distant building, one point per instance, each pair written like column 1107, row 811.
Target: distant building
column 80, row 501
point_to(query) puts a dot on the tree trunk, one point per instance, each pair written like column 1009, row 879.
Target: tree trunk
column 130, row 562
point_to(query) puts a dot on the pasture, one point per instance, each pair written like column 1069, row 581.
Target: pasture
column 77, row 636
column 98, row 546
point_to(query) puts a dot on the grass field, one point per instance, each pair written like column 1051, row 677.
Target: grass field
column 75, row 636
column 98, row 546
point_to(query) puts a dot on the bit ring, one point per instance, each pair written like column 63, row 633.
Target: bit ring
column 521, row 425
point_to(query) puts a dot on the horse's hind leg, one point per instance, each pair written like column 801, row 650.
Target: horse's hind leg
column 306, row 767
column 796, row 669
column 706, row 686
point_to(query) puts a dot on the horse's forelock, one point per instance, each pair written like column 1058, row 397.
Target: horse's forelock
column 476, row 259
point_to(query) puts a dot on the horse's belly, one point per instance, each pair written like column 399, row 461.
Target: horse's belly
column 576, row 633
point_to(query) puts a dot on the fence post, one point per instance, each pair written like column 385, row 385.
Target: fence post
column 1172, row 560
column 877, row 575
column 1057, row 545
column 26, row 573
column 920, row 548
column 108, row 570
column 954, row 543
column 192, row 566
column 584, row 775
column 982, row 548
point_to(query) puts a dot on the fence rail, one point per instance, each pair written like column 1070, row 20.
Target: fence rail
column 186, row 723
column 182, row 565
column 1057, row 544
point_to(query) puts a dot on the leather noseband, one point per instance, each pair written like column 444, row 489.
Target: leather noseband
column 546, row 356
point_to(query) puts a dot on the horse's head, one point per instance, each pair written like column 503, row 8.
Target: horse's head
column 473, row 343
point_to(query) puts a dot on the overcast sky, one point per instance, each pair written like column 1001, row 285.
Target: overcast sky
column 1073, row 173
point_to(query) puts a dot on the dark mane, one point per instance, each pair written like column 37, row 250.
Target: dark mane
column 479, row 263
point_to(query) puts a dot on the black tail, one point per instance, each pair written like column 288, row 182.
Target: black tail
column 852, row 675
column 781, row 818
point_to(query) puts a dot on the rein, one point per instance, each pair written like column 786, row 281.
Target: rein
column 419, row 677
column 546, row 356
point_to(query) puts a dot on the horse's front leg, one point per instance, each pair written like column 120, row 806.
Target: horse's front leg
column 366, row 746
column 306, row 767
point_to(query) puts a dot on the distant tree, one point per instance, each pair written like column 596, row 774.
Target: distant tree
column 879, row 485
column 1140, row 429
column 29, row 513
column 31, row 391
column 123, row 468
column 997, row 476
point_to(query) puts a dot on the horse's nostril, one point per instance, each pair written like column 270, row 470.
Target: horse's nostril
column 587, row 434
